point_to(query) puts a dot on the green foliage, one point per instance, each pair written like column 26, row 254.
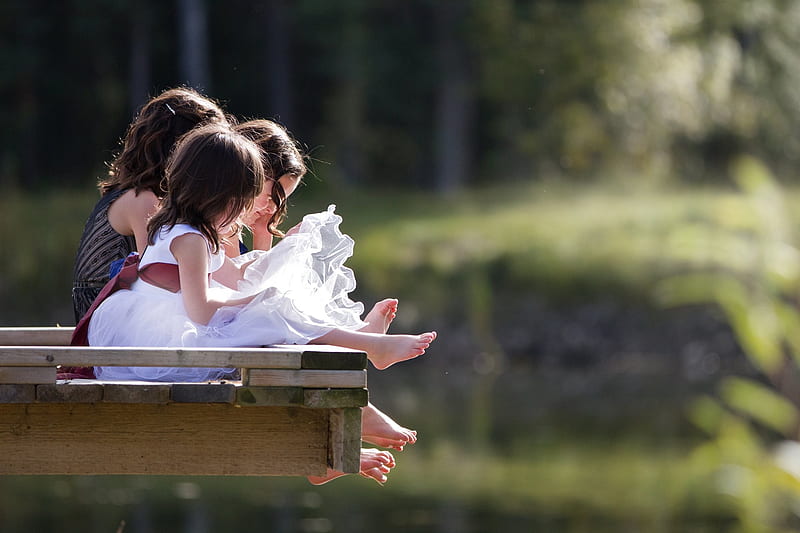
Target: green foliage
column 759, row 295
column 587, row 88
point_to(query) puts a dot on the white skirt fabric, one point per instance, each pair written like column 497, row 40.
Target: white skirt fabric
column 301, row 290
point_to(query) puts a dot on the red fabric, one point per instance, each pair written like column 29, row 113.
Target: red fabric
column 162, row 275
column 123, row 280
column 75, row 372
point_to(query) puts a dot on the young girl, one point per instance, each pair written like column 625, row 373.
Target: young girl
column 295, row 293
column 284, row 169
column 130, row 193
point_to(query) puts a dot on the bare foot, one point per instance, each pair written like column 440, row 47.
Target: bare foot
column 381, row 315
column 379, row 429
column 375, row 464
column 390, row 349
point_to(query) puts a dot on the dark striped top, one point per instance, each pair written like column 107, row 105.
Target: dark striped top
column 100, row 245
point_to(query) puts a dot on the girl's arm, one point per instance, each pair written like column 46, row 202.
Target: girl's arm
column 258, row 220
column 191, row 252
column 230, row 274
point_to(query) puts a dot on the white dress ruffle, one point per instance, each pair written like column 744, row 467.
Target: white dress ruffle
column 301, row 289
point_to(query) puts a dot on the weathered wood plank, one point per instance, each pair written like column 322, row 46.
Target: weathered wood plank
column 344, row 446
column 14, row 393
column 35, row 336
column 172, row 439
column 339, row 379
column 269, row 396
column 203, row 393
column 333, row 360
column 27, row 374
column 137, row 393
column 69, row 393
column 334, row 398
column 146, row 356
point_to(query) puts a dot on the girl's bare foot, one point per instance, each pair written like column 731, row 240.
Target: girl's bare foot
column 390, row 349
column 379, row 429
column 375, row 464
column 381, row 315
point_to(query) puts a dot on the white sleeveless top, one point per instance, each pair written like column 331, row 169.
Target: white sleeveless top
column 159, row 251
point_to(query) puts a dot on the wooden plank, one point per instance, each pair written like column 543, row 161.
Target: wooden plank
column 339, row 379
column 148, row 356
column 172, row 439
column 326, row 360
column 69, row 393
column 28, row 374
column 137, row 393
column 344, row 446
column 269, row 396
column 14, row 393
column 334, row 398
column 204, row 393
column 35, row 336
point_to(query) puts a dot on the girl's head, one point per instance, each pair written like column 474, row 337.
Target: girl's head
column 152, row 136
column 214, row 175
column 282, row 161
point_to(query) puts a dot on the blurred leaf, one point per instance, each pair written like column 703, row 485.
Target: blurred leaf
column 789, row 317
column 695, row 288
column 764, row 405
column 707, row 414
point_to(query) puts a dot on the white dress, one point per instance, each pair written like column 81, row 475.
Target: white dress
column 301, row 289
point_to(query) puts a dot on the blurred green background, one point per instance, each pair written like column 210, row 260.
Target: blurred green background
column 592, row 202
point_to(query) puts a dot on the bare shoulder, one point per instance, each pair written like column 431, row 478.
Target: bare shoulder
column 130, row 211
column 188, row 244
column 143, row 203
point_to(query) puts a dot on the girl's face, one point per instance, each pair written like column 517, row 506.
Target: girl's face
column 264, row 206
column 227, row 224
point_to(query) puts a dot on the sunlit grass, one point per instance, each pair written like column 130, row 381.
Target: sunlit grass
column 563, row 241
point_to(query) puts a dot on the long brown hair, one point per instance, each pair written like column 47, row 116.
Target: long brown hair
column 281, row 156
column 152, row 135
column 214, row 171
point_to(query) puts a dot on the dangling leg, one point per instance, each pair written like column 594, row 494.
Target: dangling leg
column 375, row 464
column 379, row 429
column 382, row 350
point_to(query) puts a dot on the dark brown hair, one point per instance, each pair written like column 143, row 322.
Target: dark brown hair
column 213, row 171
column 152, row 135
column 280, row 156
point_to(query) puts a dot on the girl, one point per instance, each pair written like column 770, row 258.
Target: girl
column 295, row 293
column 130, row 193
column 284, row 170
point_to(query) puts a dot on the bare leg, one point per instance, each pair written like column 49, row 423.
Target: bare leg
column 382, row 350
column 379, row 429
column 381, row 315
column 375, row 464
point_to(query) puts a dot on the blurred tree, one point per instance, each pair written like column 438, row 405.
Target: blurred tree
column 193, row 46
column 430, row 93
column 277, row 58
column 140, row 62
column 454, row 105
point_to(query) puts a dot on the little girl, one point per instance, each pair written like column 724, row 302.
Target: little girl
column 296, row 293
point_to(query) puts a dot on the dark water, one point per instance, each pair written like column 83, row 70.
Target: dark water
column 518, row 450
